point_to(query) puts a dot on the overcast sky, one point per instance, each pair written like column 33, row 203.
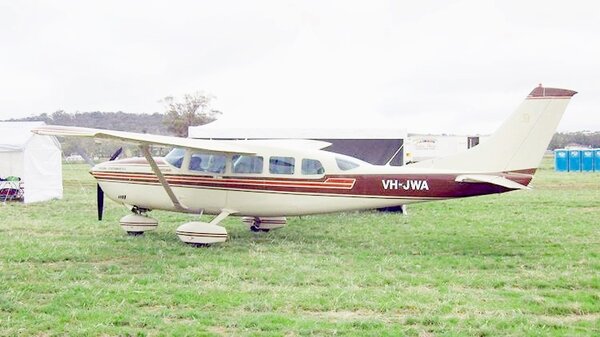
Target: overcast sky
column 423, row 66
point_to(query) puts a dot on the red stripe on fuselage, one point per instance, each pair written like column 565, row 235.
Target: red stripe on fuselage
column 425, row 186
column 188, row 180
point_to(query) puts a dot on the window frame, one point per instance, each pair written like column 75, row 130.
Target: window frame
column 302, row 172
column 279, row 159
column 211, row 156
column 232, row 166
column 184, row 160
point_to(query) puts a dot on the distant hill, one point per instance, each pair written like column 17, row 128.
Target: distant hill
column 122, row 121
column 154, row 123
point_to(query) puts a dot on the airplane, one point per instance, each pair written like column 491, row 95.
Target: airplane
column 265, row 181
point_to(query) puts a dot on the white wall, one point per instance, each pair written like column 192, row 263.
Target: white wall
column 43, row 169
column 11, row 164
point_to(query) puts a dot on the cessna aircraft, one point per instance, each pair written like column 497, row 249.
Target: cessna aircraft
column 264, row 181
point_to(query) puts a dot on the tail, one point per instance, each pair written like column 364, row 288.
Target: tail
column 519, row 144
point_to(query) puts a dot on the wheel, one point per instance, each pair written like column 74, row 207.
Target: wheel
column 135, row 233
column 255, row 227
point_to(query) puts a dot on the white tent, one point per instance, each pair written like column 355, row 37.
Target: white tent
column 35, row 159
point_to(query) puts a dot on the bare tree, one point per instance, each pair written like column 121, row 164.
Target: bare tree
column 193, row 109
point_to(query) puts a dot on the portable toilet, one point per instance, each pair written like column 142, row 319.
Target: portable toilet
column 597, row 160
column 561, row 162
column 587, row 160
column 574, row 160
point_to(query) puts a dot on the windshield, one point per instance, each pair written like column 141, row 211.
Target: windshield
column 175, row 157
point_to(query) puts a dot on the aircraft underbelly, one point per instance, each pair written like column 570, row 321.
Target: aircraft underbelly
column 289, row 204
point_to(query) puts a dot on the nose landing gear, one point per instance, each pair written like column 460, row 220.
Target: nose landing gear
column 137, row 223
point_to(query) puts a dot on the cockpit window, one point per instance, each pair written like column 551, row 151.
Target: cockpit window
column 205, row 162
column 175, row 157
column 312, row 166
column 345, row 164
column 247, row 164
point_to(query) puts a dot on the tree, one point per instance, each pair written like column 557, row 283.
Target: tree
column 194, row 109
column 584, row 138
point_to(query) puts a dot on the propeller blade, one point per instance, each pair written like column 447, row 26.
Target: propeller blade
column 100, row 192
column 100, row 199
column 116, row 154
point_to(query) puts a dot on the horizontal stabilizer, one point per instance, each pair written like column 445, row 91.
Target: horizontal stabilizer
column 489, row 179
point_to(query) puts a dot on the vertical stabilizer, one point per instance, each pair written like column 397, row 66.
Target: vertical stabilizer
column 520, row 143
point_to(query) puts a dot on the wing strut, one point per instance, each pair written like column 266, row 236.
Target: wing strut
column 161, row 178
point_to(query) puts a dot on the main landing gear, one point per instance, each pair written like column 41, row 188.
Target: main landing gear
column 199, row 233
column 196, row 233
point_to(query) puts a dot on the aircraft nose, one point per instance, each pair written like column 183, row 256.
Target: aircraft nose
column 96, row 168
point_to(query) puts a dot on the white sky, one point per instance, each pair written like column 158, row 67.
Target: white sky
column 424, row 66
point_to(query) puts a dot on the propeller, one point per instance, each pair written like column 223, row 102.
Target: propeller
column 100, row 192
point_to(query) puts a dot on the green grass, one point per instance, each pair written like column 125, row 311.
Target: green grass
column 521, row 264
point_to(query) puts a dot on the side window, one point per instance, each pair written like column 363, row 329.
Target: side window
column 312, row 166
column 247, row 164
column 204, row 162
column 281, row 165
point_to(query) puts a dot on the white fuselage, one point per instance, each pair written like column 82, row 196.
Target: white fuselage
column 308, row 182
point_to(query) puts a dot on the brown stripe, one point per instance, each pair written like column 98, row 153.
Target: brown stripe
column 328, row 183
column 439, row 186
column 321, row 194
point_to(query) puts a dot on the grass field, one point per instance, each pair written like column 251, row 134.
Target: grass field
column 521, row 264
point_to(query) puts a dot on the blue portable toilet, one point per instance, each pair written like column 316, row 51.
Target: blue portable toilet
column 574, row 160
column 597, row 160
column 561, row 162
column 587, row 160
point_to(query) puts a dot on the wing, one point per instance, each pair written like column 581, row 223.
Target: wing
column 490, row 179
column 143, row 141
column 143, row 138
